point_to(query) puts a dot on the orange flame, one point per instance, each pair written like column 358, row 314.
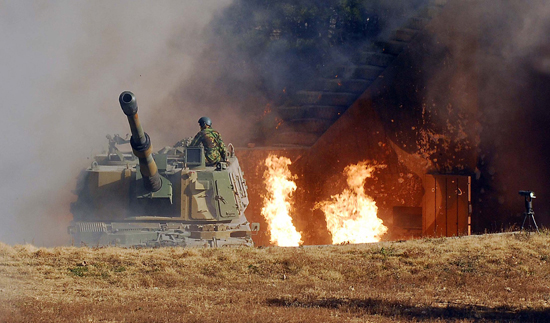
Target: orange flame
column 352, row 215
column 267, row 109
column 277, row 207
column 279, row 122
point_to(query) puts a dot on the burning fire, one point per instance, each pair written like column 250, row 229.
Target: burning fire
column 352, row 215
column 276, row 210
column 279, row 122
column 267, row 109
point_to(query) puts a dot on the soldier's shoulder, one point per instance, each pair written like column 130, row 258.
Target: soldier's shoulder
column 213, row 131
column 210, row 131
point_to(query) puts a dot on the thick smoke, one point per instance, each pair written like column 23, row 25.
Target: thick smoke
column 259, row 53
column 63, row 65
column 496, row 88
column 478, row 84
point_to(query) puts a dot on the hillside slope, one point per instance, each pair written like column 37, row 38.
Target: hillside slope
column 492, row 278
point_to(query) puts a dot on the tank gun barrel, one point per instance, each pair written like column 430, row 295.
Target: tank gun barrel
column 141, row 143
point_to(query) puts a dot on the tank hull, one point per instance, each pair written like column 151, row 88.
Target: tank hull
column 197, row 207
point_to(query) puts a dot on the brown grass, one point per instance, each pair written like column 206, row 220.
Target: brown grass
column 483, row 278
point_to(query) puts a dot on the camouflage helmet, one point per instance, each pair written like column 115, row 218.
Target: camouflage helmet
column 205, row 121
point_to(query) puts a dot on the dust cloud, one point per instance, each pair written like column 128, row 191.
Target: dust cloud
column 62, row 67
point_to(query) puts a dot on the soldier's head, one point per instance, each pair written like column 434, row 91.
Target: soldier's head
column 205, row 122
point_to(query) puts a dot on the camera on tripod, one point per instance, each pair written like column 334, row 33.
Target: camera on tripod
column 530, row 194
column 529, row 213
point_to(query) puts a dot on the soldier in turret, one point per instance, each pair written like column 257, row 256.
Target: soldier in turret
column 214, row 148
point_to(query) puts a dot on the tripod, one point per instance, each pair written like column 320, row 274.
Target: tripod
column 529, row 213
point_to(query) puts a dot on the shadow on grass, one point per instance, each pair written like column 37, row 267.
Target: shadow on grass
column 420, row 312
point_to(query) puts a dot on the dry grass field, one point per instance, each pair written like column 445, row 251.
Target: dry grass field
column 481, row 278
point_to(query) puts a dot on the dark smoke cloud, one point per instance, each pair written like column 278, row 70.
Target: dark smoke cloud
column 259, row 53
column 488, row 63
column 62, row 67
column 480, row 88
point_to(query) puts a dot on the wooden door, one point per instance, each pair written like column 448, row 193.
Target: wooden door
column 446, row 205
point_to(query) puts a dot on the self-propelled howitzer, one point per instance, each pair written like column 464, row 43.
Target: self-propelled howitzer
column 168, row 198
